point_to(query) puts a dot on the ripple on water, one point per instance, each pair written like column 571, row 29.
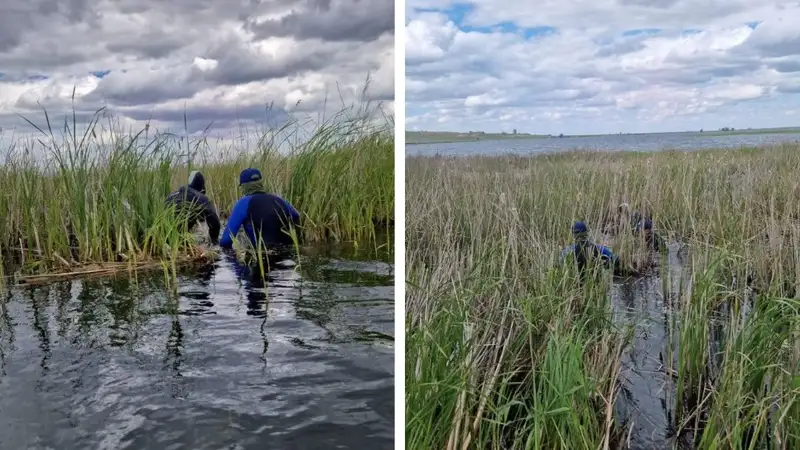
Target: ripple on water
column 306, row 362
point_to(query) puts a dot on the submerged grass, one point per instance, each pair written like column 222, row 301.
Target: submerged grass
column 74, row 197
column 506, row 349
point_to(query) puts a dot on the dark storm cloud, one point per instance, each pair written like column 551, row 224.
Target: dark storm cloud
column 153, row 45
column 774, row 39
column 209, row 118
column 212, row 60
column 12, row 25
column 787, row 66
column 238, row 64
column 137, row 88
column 20, row 18
column 790, row 46
column 790, row 87
column 59, row 119
column 332, row 20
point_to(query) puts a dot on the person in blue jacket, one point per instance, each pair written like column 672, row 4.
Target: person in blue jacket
column 585, row 251
column 192, row 199
column 265, row 217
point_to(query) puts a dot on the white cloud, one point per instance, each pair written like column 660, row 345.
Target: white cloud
column 218, row 62
column 601, row 66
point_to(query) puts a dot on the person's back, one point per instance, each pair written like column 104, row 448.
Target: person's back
column 191, row 200
column 586, row 252
column 266, row 218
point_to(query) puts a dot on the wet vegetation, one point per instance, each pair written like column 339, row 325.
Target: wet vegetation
column 508, row 349
column 77, row 196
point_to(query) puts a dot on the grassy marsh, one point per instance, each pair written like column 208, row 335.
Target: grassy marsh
column 506, row 349
column 74, row 196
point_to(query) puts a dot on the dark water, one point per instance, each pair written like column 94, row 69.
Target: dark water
column 307, row 363
column 646, row 397
column 631, row 142
column 650, row 307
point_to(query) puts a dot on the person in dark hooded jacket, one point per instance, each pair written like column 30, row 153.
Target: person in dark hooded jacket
column 193, row 196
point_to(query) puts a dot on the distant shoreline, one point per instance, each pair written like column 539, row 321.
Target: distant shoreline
column 449, row 137
column 452, row 137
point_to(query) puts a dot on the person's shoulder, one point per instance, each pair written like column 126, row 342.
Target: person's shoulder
column 196, row 195
column 268, row 197
column 178, row 192
column 243, row 200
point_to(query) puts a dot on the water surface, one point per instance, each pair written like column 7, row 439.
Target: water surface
column 614, row 142
column 305, row 363
column 646, row 398
column 651, row 307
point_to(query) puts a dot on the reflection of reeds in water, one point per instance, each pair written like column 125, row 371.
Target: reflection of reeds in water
column 504, row 349
column 6, row 332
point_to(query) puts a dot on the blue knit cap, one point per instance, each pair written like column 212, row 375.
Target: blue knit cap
column 249, row 175
column 579, row 227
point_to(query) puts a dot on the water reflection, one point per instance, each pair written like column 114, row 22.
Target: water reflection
column 6, row 334
column 299, row 358
column 646, row 400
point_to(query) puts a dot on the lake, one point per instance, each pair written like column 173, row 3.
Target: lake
column 307, row 363
column 630, row 142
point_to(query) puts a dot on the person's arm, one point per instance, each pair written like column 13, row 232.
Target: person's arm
column 611, row 260
column 212, row 220
column 291, row 211
column 235, row 221
column 616, row 263
column 209, row 214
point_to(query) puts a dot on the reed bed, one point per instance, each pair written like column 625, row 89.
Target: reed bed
column 508, row 349
column 77, row 197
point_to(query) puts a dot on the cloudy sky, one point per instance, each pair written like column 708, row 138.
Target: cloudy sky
column 602, row 66
column 220, row 61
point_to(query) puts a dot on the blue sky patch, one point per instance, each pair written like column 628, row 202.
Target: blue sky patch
column 642, row 32
column 100, row 73
column 459, row 12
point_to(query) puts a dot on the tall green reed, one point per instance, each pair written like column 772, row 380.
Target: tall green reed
column 98, row 194
column 487, row 231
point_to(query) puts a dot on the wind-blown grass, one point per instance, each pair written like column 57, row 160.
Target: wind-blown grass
column 72, row 197
column 506, row 349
